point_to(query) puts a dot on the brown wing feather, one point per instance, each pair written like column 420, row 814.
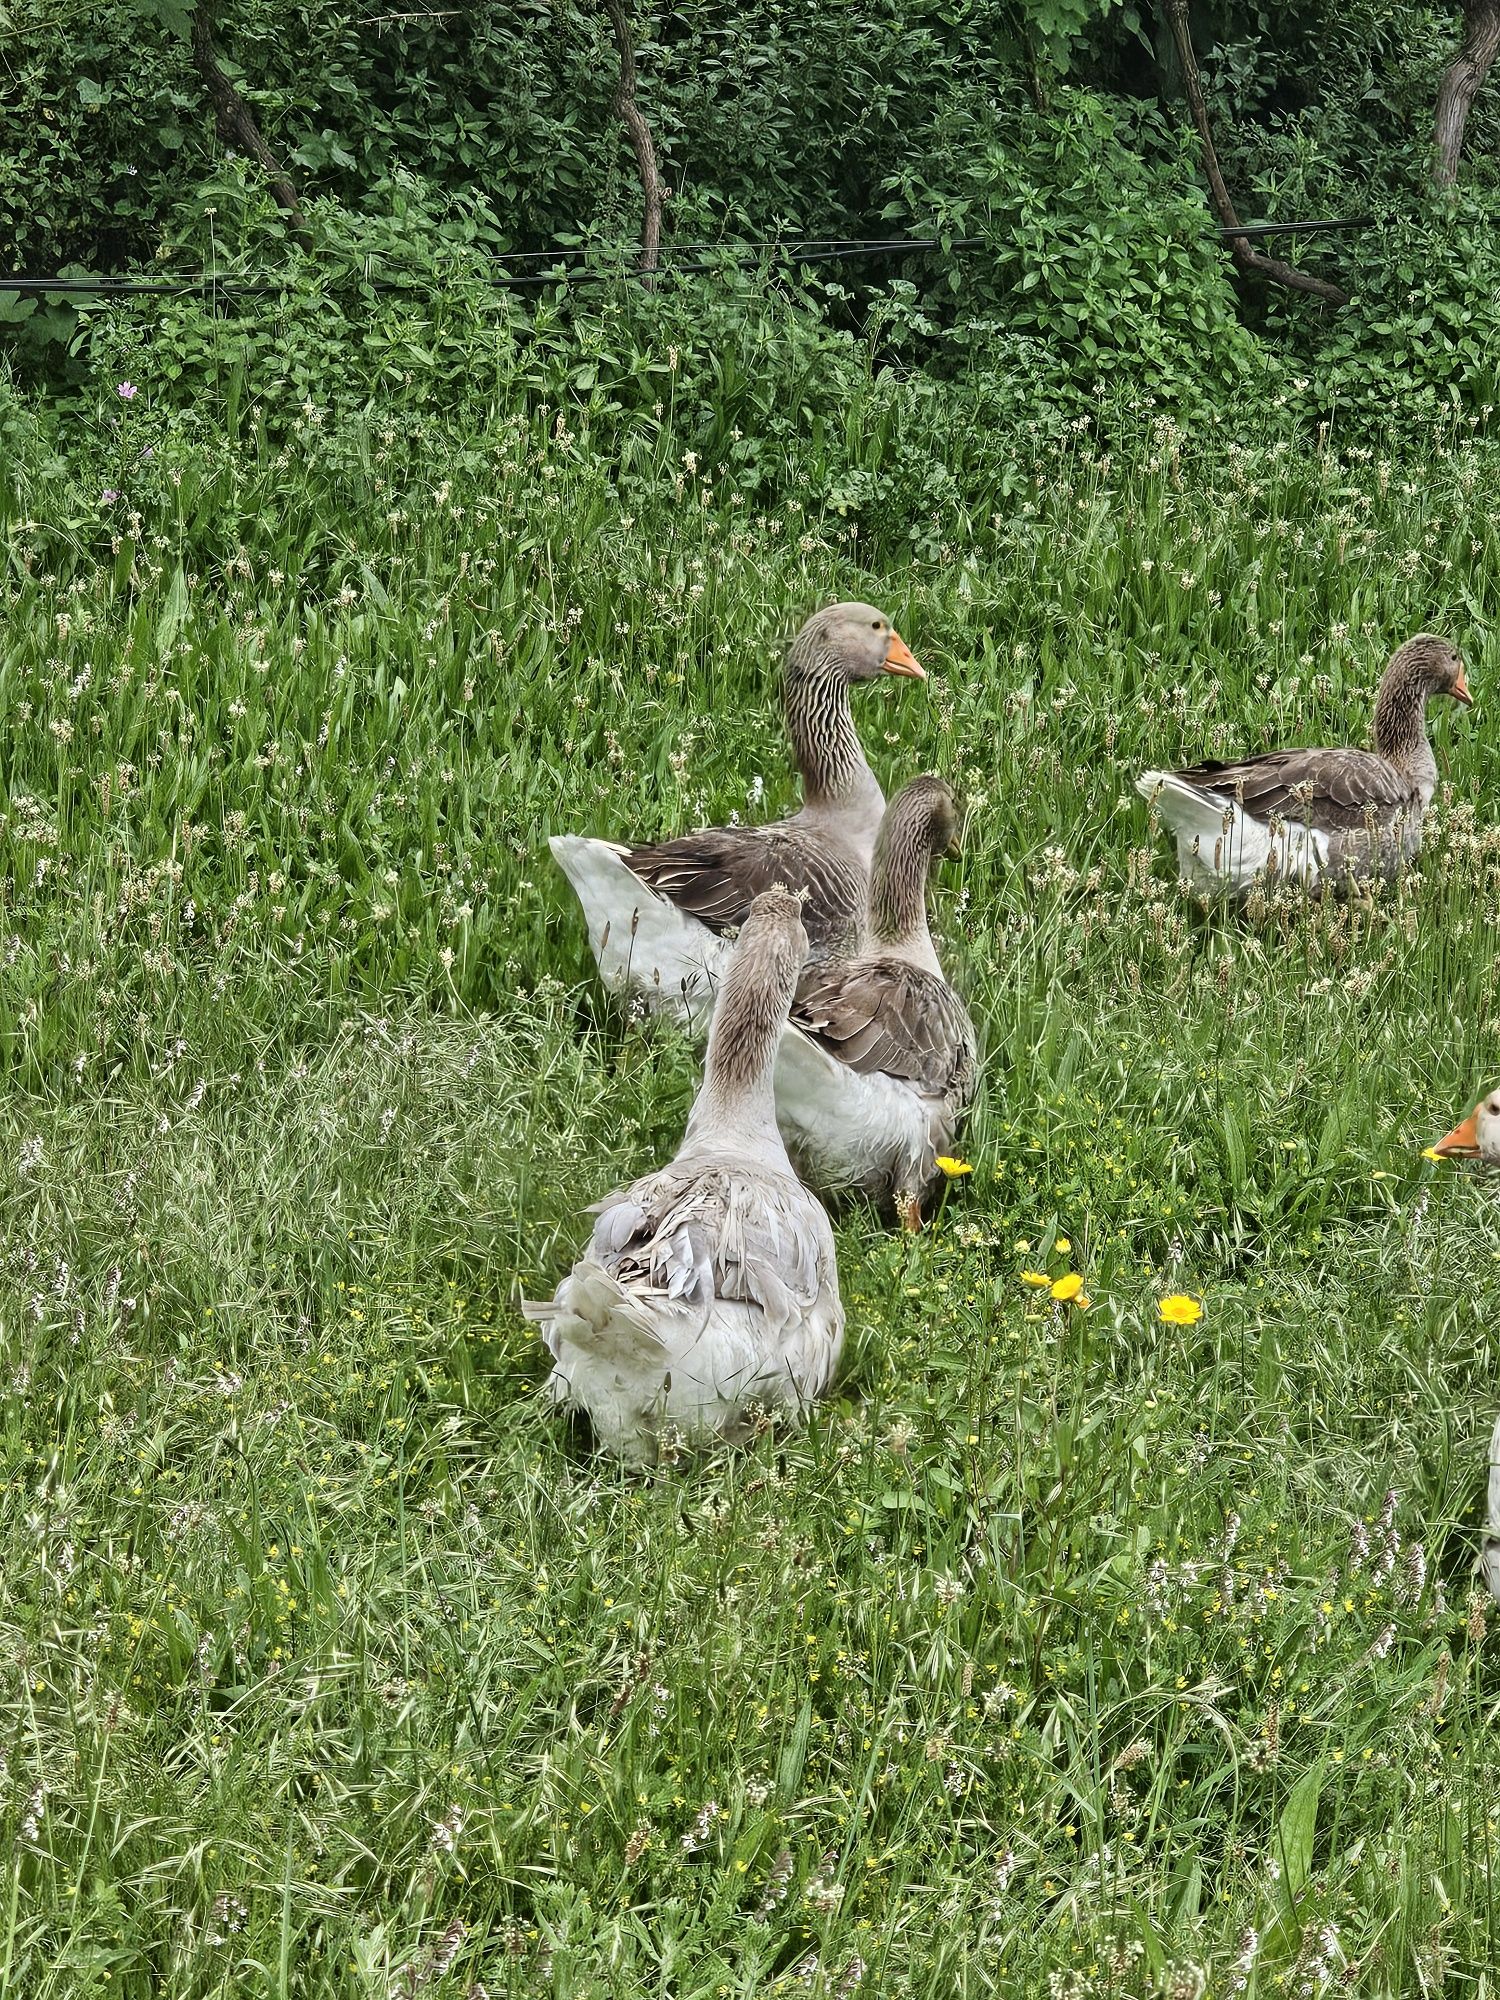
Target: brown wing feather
column 882, row 1016
column 717, row 874
column 1332, row 790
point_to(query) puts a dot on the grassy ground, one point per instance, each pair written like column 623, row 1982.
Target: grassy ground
column 1062, row 1650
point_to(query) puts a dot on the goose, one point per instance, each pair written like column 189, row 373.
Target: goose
column 1343, row 815
column 878, row 1065
column 1477, row 1137
column 710, row 1284
column 659, row 913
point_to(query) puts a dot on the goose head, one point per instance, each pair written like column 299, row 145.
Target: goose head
column 851, row 642
column 928, row 808
column 1425, row 666
column 1478, row 1136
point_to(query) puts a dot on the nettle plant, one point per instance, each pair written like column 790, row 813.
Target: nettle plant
column 1421, row 338
column 1108, row 258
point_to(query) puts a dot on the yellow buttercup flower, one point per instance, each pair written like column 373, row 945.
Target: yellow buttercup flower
column 952, row 1168
column 1180, row 1310
column 1037, row 1278
column 1068, row 1288
column 1062, row 1246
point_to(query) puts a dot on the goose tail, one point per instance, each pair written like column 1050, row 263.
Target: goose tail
column 594, row 1314
column 608, row 1359
column 1187, row 810
column 644, row 946
column 1218, row 843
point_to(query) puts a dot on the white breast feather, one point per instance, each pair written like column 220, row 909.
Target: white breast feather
column 1489, row 1557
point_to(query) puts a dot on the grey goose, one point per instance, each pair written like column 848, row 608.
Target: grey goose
column 1316, row 816
column 878, row 1065
column 660, row 914
column 711, row 1284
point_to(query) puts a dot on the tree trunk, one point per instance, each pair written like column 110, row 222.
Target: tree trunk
column 1461, row 84
column 1247, row 258
column 639, row 134
column 236, row 121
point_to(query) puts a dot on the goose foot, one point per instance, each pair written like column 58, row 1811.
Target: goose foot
column 909, row 1212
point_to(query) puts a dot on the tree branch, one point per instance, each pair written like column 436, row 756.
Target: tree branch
column 639, row 134
column 236, row 121
column 1247, row 258
column 1461, row 83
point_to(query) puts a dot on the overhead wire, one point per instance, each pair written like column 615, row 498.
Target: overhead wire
column 678, row 260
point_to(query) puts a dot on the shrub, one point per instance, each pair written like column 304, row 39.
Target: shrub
column 1110, row 260
column 1422, row 336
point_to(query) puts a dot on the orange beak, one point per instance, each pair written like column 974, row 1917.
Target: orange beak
column 1461, row 690
column 900, row 659
column 1463, row 1139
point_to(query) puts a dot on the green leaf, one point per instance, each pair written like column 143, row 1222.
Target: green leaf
column 173, row 611
column 174, row 15
column 1299, row 1825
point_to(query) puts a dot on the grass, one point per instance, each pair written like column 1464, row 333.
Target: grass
column 1060, row 1649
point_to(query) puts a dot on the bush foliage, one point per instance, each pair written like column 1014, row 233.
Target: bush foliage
column 1054, row 131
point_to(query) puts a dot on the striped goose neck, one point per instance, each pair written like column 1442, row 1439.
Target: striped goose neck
column 1401, row 720
column 736, row 1104
column 898, row 879
column 823, row 737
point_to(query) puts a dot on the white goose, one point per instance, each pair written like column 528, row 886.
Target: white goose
column 1477, row 1137
column 710, row 1284
column 657, row 912
column 878, row 1065
column 1316, row 815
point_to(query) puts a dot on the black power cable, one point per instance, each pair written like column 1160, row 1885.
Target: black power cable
column 705, row 256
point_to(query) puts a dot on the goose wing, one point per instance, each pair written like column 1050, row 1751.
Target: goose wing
column 716, row 875
column 1329, row 790
column 884, row 1016
column 720, row 1233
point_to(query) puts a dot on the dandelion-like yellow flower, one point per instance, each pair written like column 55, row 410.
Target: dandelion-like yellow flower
column 1062, row 1246
column 1180, row 1310
column 1068, row 1288
column 1038, row 1279
column 950, row 1168
column 1432, row 1153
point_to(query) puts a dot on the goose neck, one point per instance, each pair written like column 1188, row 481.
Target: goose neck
column 736, row 1105
column 898, row 886
column 1401, row 729
column 824, row 740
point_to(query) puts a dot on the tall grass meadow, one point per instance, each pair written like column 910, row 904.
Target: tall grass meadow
column 1063, row 1650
